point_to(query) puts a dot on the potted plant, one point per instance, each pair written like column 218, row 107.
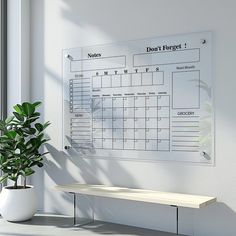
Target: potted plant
column 20, row 142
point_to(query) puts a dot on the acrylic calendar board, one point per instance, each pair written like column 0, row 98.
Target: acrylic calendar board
column 147, row 99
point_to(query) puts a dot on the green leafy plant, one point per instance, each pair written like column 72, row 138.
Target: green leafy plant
column 20, row 142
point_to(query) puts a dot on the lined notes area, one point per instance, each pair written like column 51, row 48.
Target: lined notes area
column 80, row 95
column 80, row 125
column 185, row 133
column 81, row 132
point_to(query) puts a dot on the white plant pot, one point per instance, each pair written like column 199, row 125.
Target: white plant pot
column 18, row 204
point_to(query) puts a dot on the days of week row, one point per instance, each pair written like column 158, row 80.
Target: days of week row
column 128, row 80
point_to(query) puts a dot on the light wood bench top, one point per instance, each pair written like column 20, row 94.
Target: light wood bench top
column 166, row 198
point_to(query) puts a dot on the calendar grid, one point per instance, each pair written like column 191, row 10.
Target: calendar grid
column 126, row 123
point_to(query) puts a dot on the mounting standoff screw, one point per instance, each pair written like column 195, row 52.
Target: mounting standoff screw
column 68, row 56
column 203, row 154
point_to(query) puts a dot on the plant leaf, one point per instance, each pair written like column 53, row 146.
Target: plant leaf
column 29, row 131
column 9, row 119
column 3, row 178
column 36, row 114
column 46, row 125
column 32, row 119
column 28, row 171
column 28, row 108
column 3, row 159
column 20, row 142
column 11, row 134
column 18, row 116
column 39, row 127
column 18, row 108
column 37, row 104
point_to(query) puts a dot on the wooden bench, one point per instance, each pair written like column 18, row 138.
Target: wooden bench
column 166, row 198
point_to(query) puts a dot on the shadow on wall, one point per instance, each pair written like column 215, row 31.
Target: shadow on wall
column 62, row 168
column 88, row 169
column 219, row 218
column 216, row 217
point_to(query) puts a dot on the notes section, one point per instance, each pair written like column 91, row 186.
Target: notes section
column 186, row 90
column 80, row 129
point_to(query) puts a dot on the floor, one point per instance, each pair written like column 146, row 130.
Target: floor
column 56, row 225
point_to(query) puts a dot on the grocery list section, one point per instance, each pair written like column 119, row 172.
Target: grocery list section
column 185, row 132
column 144, row 100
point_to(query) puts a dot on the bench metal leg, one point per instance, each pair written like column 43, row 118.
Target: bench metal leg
column 74, row 213
column 177, row 219
column 74, row 204
column 89, row 222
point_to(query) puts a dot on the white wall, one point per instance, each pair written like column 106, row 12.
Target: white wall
column 58, row 24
